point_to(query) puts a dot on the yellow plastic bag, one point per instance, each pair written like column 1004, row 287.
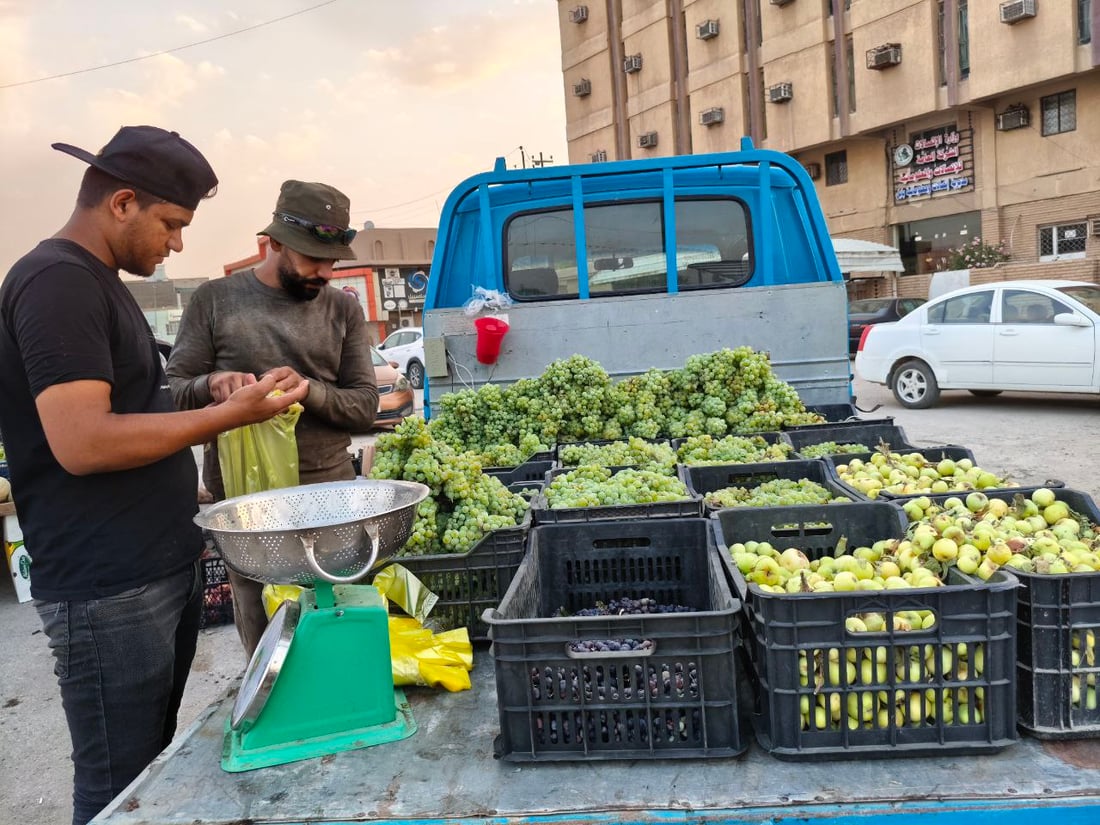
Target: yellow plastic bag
column 259, row 457
column 437, row 660
column 417, row 655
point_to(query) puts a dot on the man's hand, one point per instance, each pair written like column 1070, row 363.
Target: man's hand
column 254, row 403
column 286, row 378
column 224, row 384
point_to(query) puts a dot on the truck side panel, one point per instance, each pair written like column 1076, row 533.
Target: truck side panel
column 637, row 332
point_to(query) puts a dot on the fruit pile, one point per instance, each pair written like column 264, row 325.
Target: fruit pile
column 913, row 474
column 874, row 567
column 575, row 400
column 634, row 452
column 732, row 449
column 594, row 486
column 778, row 492
column 900, row 686
column 464, row 503
column 832, row 448
column 978, row 534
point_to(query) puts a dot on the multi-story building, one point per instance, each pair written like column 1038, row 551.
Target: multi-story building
column 925, row 124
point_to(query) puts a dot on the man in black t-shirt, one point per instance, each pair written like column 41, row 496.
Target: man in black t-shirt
column 102, row 474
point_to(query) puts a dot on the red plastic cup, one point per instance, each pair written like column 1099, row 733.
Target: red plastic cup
column 490, row 332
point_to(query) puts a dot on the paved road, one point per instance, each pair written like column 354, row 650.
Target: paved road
column 1031, row 437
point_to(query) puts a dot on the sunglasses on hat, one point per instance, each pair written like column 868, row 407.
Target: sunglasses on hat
column 324, row 232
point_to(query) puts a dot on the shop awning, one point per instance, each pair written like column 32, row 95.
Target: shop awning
column 864, row 256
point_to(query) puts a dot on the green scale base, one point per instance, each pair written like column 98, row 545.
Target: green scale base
column 334, row 691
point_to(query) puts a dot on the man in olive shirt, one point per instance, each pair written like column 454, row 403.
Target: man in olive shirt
column 283, row 319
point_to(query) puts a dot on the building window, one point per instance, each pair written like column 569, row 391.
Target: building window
column 962, row 35
column 763, row 107
column 829, row 6
column 849, row 50
column 1084, row 21
column 1060, row 113
column 941, row 44
column 836, row 168
column 833, row 81
column 964, row 40
column 1061, row 242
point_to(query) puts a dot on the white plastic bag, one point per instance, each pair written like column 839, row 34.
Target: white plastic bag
column 486, row 299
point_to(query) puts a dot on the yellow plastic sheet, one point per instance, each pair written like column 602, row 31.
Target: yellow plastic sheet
column 259, row 457
column 418, row 656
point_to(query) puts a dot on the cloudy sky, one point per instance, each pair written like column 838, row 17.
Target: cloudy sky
column 394, row 102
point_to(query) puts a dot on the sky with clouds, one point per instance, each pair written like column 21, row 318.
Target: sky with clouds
column 392, row 102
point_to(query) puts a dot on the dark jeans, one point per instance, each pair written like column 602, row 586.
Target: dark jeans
column 122, row 663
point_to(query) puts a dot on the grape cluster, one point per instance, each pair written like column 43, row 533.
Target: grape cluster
column 464, row 504
column 634, row 452
column 593, row 486
column 627, row 606
column 731, row 390
column 832, row 448
column 732, row 449
column 610, row 645
column 778, row 492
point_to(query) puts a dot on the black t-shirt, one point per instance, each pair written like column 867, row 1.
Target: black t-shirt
column 65, row 316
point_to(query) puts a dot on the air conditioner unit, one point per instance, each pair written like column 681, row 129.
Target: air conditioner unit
column 583, row 87
column 707, row 29
column 578, row 15
column 1017, row 10
column 888, row 54
column 813, row 170
column 780, row 92
column 1015, row 118
column 709, row 117
column 1094, row 226
column 599, row 156
column 633, row 63
column 647, row 140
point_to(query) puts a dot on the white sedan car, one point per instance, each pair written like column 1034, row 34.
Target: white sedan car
column 1014, row 335
column 406, row 347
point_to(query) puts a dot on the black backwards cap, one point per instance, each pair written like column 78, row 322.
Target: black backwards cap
column 154, row 160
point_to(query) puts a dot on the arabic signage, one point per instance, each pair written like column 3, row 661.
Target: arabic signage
column 937, row 162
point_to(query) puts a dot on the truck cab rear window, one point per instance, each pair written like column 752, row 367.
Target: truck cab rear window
column 625, row 249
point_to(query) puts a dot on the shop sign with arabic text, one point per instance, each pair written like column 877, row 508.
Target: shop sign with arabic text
column 939, row 161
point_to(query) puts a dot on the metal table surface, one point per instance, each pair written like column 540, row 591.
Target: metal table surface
column 446, row 772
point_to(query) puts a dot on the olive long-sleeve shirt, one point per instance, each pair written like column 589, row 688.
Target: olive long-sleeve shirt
column 239, row 324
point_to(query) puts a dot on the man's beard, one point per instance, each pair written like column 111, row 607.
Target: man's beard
column 299, row 288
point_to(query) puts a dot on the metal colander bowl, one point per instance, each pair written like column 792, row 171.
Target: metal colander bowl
column 337, row 531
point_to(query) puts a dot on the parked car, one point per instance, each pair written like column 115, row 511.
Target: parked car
column 406, row 347
column 867, row 311
column 1035, row 336
column 396, row 400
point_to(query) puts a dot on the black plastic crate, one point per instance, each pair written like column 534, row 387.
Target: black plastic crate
column 706, row 478
column 681, row 508
column 951, row 451
column 867, row 433
column 521, row 471
column 468, row 583
column 771, row 437
column 794, row 640
column 526, row 473
column 678, row 699
column 217, row 594
column 1056, row 615
column 832, row 413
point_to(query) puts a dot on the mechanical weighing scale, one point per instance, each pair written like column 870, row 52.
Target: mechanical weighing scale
column 320, row 681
